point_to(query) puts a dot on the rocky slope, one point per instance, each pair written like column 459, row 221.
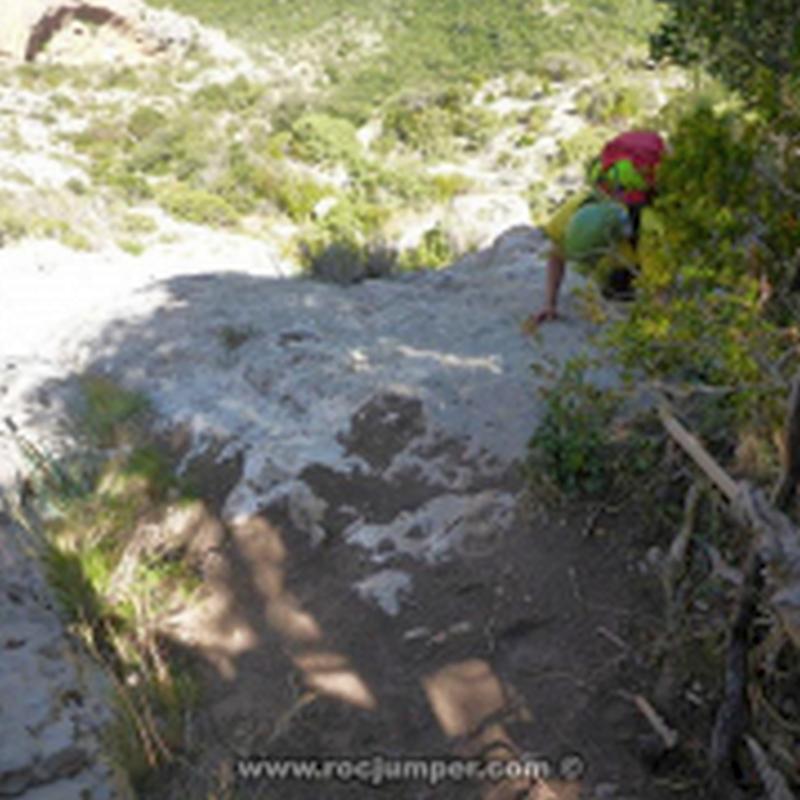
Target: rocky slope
column 389, row 417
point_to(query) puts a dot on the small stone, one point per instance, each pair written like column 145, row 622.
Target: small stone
column 654, row 556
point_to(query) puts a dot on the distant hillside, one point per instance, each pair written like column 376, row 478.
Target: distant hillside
column 373, row 50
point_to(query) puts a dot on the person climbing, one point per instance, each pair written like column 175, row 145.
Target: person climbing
column 600, row 230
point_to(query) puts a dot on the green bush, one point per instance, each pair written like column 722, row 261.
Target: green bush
column 725, row 233
column 605, row 104
column 237, row 96
column 429, row 124
column 433, row 252
column 321, row 138
column 139, row 224
column 13, row 225
column 572, row 443
column 181, row 148
column 582, row 147
column 144, row 122
column 197, row 206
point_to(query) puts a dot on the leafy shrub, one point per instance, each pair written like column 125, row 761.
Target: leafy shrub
column 321, row 138
column 434, row 251
column 180, row 148
column 428, row 124
column 237, row 96
column 447, row 185
column 139, row 224
column 582, row 147
column 115, row 174
column 605, row 104
column 131, row 247
column 346, row 261
column 197, row 206
column 571, row 445
column 725, row 233
column 108, row 408
column 296, row 195
column 13, row 225
column 144, row 122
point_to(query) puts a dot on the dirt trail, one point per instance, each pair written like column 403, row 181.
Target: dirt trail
column 527, row 648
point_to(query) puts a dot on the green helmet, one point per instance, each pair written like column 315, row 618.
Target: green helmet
column 594, row 229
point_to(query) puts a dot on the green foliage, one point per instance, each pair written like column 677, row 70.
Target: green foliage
column 197, row 206
column 144, row 122
column 321, row 138
column 108, row 408
column 703, row 313
column 296, row 196
column 572, row 443
column 237, row 96
column 447, row 185
column 139, row 224
column 18, row 224
column 449, row 42
column 180, row 148
column 435, row 250
column 112, row 584
column 13, row 225
column 605, row 103
column 131, row 246
column 430, row 124
column 753, row 45
column 582, row 147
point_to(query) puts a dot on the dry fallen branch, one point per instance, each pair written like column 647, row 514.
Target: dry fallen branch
column 675, row 560
column 668, row 735
column 732, row 715
column 774, row 783
column 786, row 490
column 776, row 539
column 775, row 546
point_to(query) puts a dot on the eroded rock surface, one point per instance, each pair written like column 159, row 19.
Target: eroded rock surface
column 51, row 714
column 82, row 31
column 393, row 413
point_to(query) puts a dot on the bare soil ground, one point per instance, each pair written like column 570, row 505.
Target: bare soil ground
column 534, row 646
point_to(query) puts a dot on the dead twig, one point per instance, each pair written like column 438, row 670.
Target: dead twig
column 667, row 734
column 775, row 542
column 733, row 713
column 786, row 490
column 774, row 783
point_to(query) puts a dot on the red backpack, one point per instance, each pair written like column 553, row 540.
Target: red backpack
column 626, row 169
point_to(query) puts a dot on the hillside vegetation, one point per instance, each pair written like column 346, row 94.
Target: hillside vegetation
column 349, row 137
column 370, row 52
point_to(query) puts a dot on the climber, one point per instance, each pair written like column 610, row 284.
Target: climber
column 601, row 229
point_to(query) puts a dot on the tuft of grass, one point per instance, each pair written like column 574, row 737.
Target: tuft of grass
column 139, row 224
column 113, row 574
column 131, row 247
column 109, row 410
